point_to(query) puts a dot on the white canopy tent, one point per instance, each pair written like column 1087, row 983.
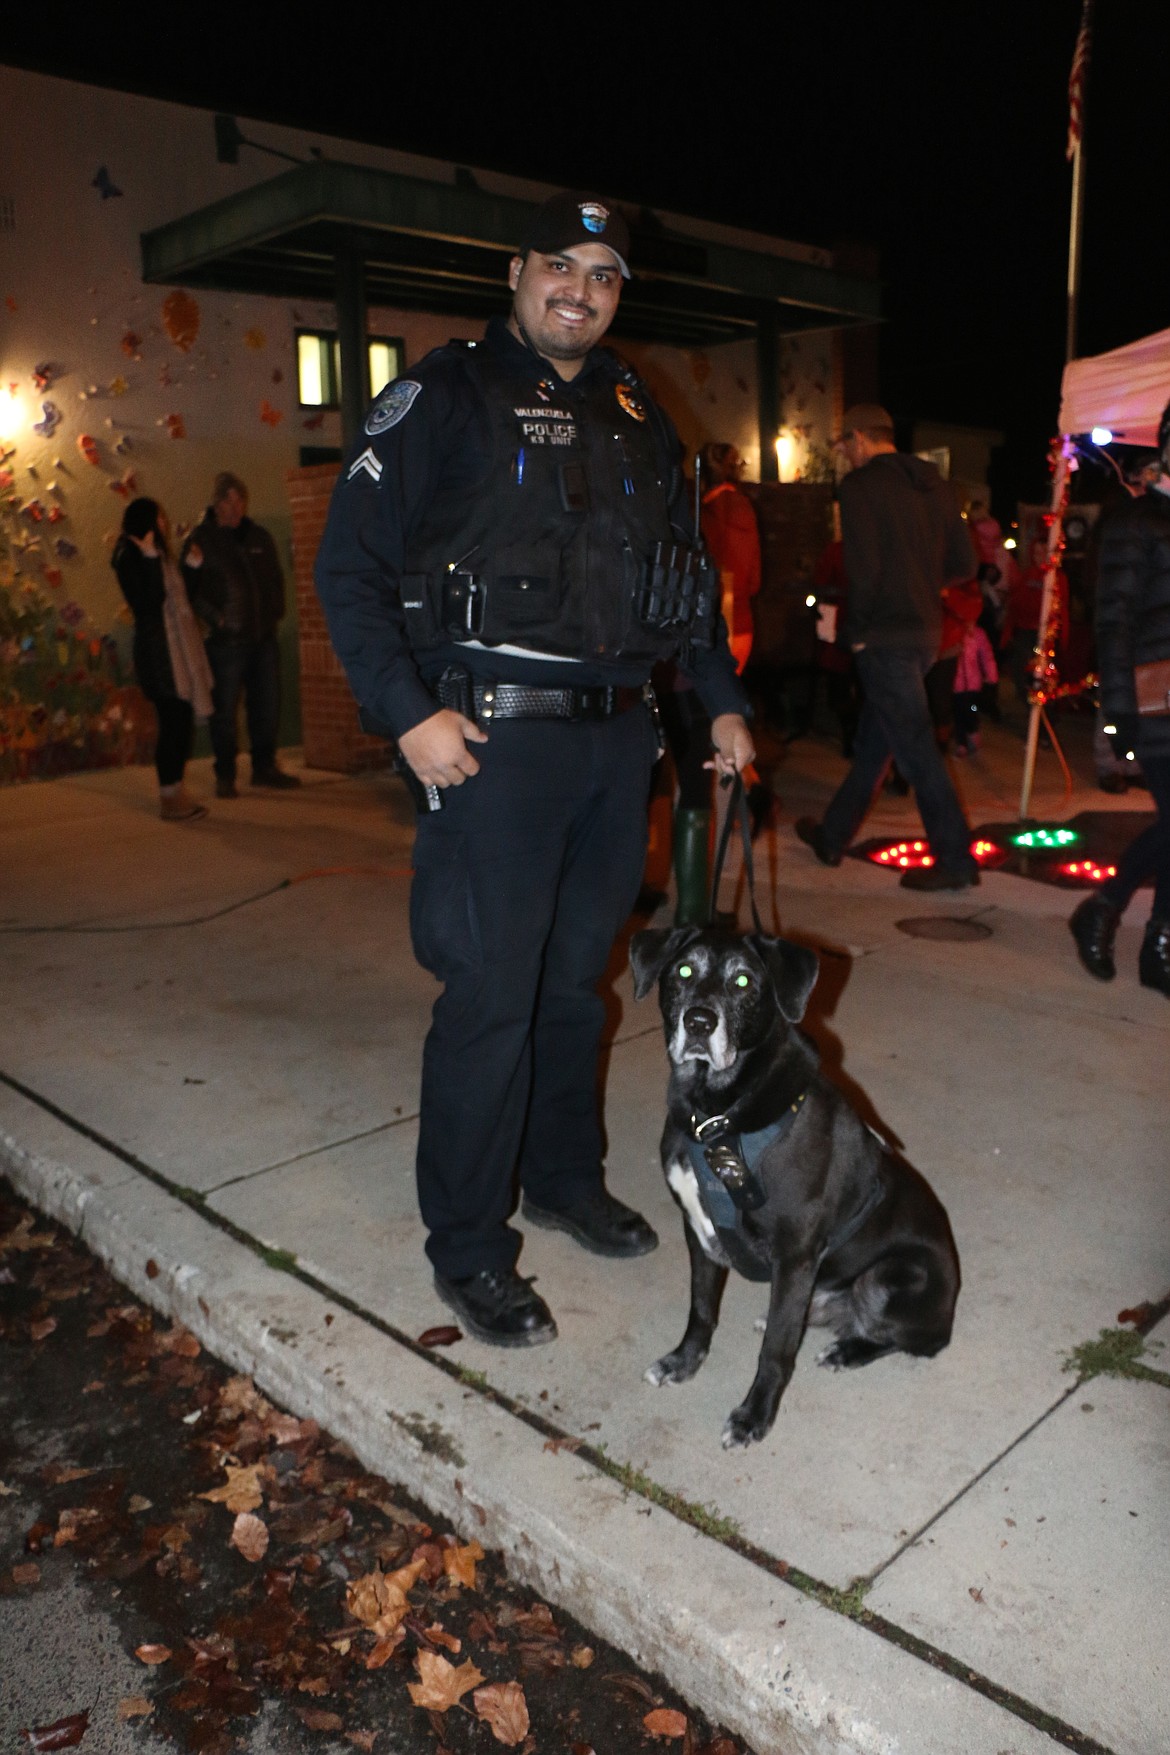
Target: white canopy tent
column 1125, row 392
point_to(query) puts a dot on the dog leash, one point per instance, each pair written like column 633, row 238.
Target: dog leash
column 736, row 808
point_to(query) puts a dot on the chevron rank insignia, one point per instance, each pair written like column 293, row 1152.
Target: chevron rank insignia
column 368, row 462
column 395, row 402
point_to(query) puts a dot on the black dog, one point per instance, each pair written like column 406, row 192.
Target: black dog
column 779, row 1178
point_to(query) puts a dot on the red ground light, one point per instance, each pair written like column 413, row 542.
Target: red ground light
column 907, row 855
column 1087, row 871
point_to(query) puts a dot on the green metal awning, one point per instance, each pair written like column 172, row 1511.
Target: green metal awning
column 430, row 246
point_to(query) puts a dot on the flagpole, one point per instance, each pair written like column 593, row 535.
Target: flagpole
column 1076, row 221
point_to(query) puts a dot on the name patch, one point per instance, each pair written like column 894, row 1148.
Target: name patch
column 546, row 426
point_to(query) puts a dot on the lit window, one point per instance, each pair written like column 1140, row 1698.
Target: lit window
column 319, row 366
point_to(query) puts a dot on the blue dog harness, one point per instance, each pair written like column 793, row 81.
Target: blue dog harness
column 724, row 1163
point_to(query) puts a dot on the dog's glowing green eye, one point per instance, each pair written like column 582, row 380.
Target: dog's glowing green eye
column 743, row 981
column 685, row 971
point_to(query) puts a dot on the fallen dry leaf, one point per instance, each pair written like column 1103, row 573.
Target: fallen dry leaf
column 975, row 1593
column 23, row 1237
column 439, row 1636
column 65, row 1733
column 384, row 1650
column 137, row 1503
column 134, row 1706
column 313, row 1685
column 180, row 1341
column 362, row 1739
column 241, row 1491
column 582, row 1656
column 459, row 1563
column 250, row 1536
column 315, row 1718
column 378, row 1599
column 444, row 1336
column 440, row 1684
column 60, row 1474
column 71, row 1520
column 28, row 1572
column 556, row 1445
column 665, row 1722
column 152, row 1654
column 40, row 1331
column 6, row 1492
column 239, row 1395
column 502, row 1706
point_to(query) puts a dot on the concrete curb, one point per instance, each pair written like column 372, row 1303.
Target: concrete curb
column 755, row 1654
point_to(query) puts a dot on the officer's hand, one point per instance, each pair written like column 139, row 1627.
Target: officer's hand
column 734, row 748
column 437, row 749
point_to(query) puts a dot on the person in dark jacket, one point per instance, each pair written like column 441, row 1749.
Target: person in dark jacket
column 169, row 659
column 904, row 540
column 488, row 575
column 1133, row 627
column 239, row 593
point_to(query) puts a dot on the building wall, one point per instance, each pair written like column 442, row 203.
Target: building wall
column 166, row 391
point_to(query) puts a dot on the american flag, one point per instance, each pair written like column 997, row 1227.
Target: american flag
column 1076, row 83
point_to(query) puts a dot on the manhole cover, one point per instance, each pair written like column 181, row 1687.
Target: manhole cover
column 944, row 926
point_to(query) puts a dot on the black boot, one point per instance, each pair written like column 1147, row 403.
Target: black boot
column 1094, row 926
column 1154, row 961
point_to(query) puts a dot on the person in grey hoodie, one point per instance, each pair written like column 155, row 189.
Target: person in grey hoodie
column 904, row 539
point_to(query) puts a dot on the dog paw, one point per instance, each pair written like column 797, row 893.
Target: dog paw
column 742, row 1429
column 850, row 1352
column 672, row 1368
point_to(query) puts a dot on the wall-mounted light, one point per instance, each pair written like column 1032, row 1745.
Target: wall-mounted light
column 1009, row 542
column 1101, row 436
column 785, row 455
column 12, row 413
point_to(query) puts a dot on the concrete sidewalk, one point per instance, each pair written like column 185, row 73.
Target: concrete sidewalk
column 209, row 1067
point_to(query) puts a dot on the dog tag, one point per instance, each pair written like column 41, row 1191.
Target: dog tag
column 737, row 1179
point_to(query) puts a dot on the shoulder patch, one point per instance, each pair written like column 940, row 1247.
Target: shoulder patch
column 393, row 405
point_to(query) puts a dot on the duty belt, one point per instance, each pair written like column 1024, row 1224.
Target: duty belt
column 486, row 701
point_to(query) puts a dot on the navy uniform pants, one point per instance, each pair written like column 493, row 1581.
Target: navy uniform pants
column 522, row 882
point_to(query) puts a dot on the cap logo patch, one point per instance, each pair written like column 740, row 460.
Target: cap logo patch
column 629, row 402
column 594, row 217
column 395, row 402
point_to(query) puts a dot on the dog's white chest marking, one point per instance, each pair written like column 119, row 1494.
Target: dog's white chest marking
column 685, row 1184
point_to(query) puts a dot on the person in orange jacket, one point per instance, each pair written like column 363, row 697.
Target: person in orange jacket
column 730, row 531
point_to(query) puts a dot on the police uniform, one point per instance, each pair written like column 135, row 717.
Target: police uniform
column 484, row 550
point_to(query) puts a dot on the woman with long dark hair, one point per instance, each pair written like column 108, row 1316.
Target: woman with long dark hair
column 169, row 657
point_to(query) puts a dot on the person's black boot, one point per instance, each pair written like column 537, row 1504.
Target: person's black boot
column 598, row 1223
column 1093, row 925
column 497, row 1306
column 1154, row 961
column 811, row 833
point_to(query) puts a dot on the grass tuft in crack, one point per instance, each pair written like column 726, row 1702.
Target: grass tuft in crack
column 706, row 1518
column 1117, row 1352
column 283, row 1259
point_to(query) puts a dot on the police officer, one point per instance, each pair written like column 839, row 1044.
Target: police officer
column 505, row 559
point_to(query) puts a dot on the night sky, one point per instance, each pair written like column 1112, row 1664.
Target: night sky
column 934, row 129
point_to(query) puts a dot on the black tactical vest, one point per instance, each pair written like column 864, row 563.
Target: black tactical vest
column 550, row 552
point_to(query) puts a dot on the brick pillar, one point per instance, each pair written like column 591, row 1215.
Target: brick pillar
column 330, row 731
